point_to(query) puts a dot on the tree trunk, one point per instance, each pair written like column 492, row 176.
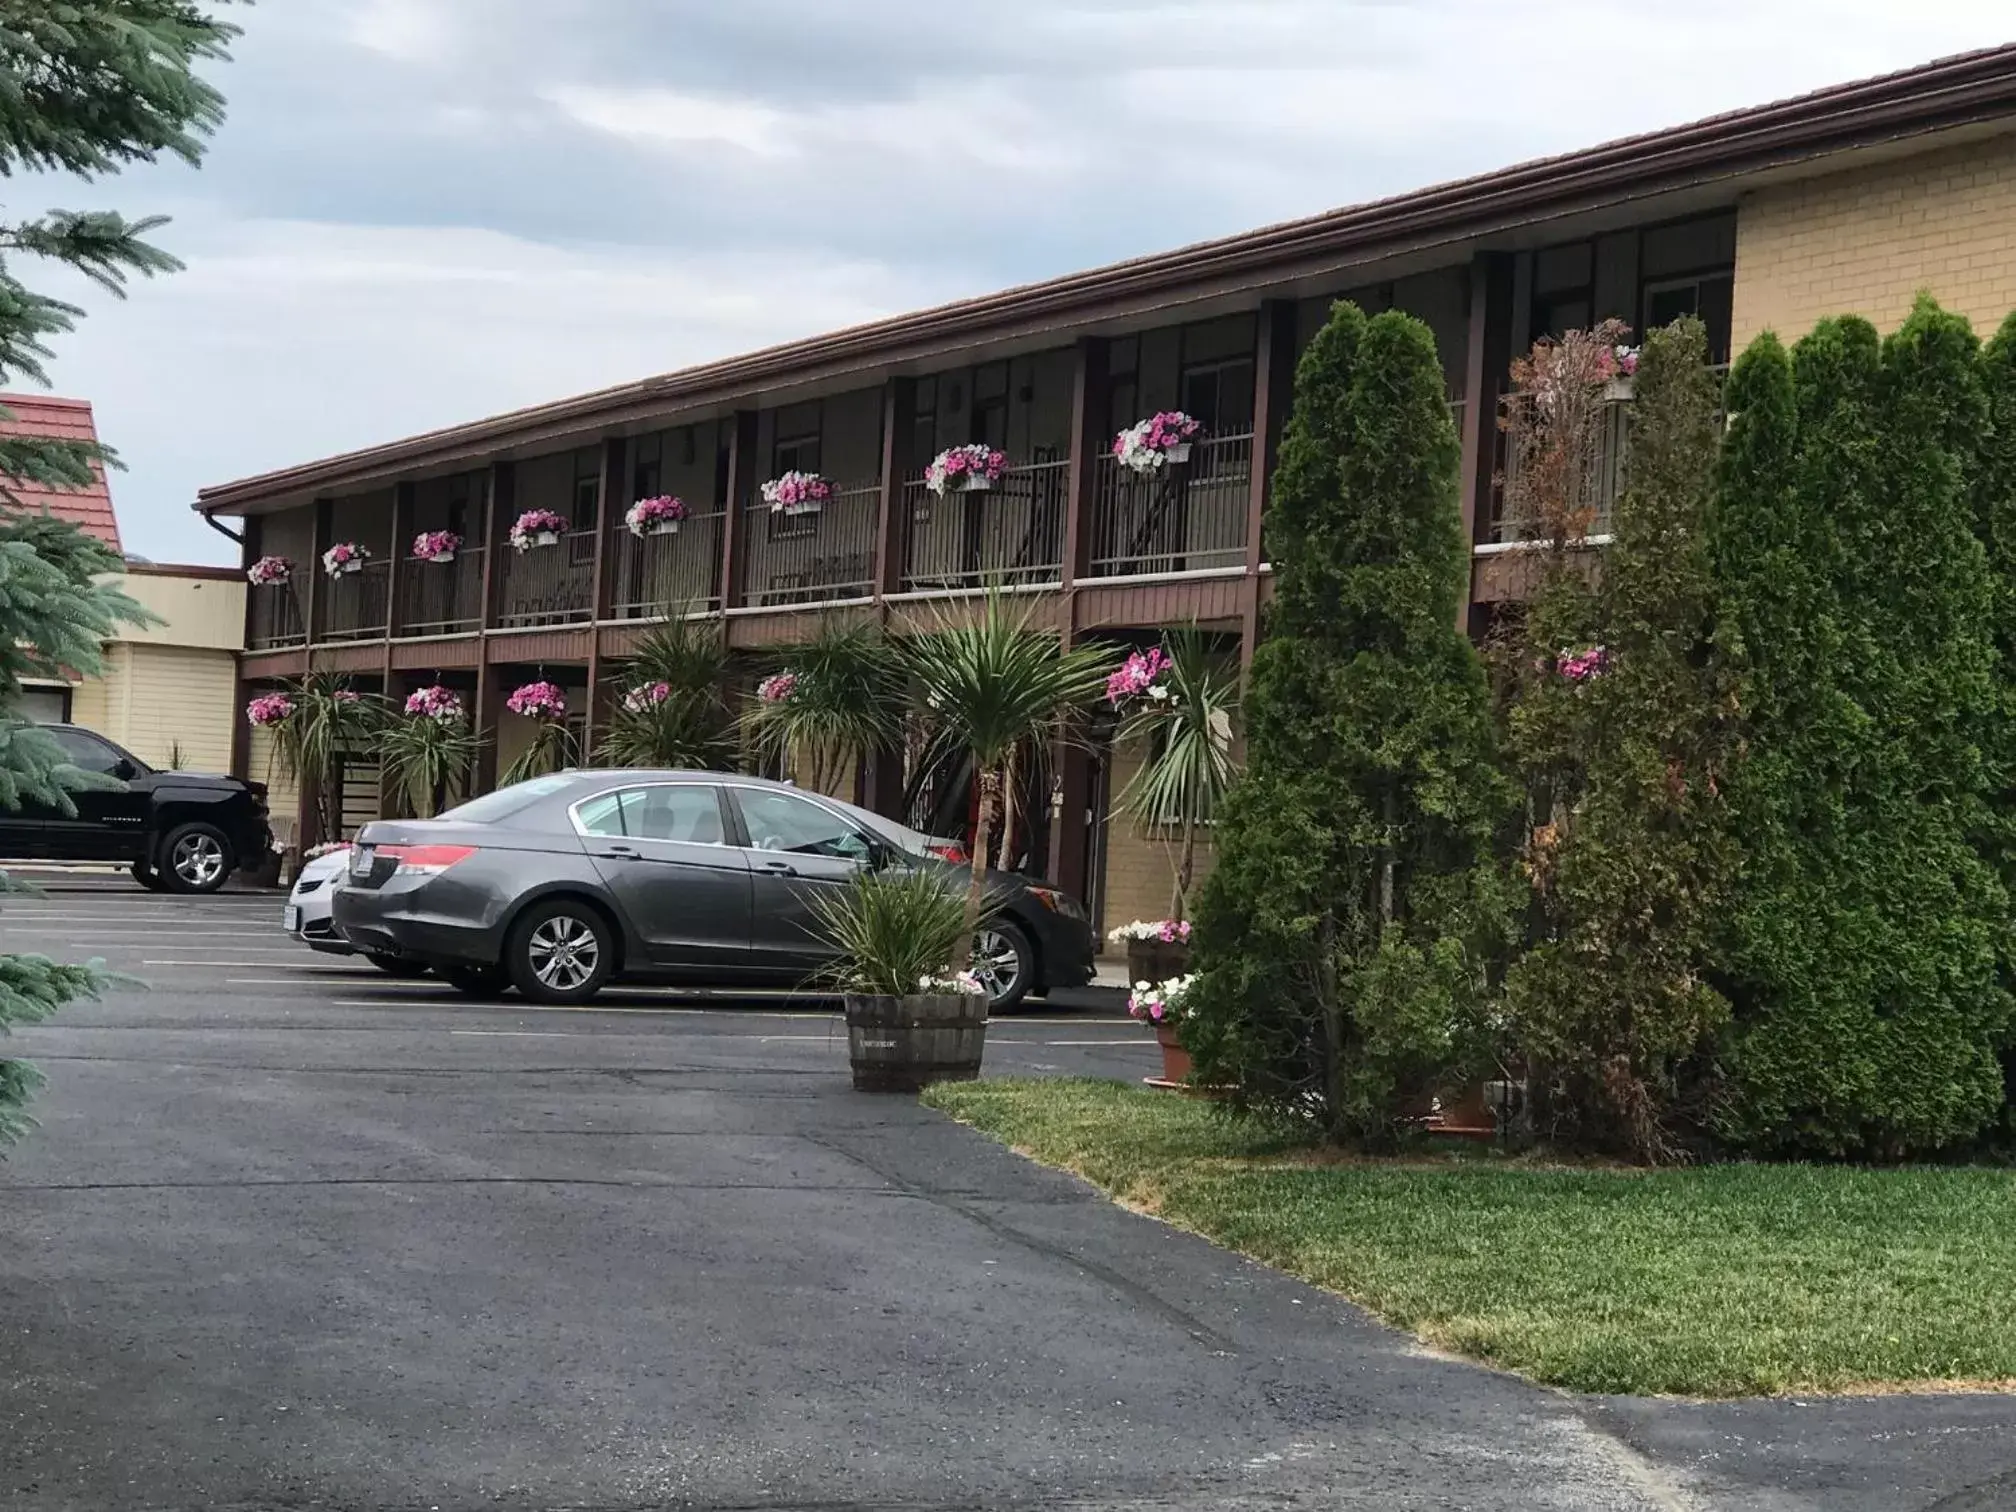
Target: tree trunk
column 1186, row 864
column 983, row 837
column 1387, row 866
column 1008, row 812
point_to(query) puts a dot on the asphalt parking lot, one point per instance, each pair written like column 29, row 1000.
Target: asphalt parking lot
column 295, row 1235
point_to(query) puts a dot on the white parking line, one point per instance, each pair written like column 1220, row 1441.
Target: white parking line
column 518, row 1034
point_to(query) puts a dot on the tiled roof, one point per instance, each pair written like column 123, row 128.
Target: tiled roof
column 61, row 420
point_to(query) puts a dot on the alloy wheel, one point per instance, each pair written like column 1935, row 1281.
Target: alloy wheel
column 564, row 953
column 198, row 860
column 996, row 963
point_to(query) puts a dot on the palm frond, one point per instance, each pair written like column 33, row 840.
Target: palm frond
column 551, row 750
column 690, row 731
column 1189, row 766
column 846, row 701
column 426, row 762
column 890, row 930
column 690, row 655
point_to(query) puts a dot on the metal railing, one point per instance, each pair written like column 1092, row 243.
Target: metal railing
column 441, row 598
column 548, row 585
column 1011, row 534
column 276, row 618
column 1189, row 516
column 658, row 574
column 812, row 558
column 352, row 605
column 1595, row 493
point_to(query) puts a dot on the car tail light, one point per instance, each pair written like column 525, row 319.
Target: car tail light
column 432, row 859
column 957, row 854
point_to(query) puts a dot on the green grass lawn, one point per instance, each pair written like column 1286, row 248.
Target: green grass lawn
column 1717, row 1281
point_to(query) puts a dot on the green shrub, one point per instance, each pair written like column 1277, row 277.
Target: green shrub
column 1346, row 934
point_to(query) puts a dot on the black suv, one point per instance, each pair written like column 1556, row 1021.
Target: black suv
column 180, row 832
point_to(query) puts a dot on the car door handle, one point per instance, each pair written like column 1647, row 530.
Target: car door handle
column 627, row 852
column 781, row 868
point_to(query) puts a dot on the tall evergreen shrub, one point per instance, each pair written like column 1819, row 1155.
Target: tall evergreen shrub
column 1867, row 927
column 1343, row 938
column 1611, row 1004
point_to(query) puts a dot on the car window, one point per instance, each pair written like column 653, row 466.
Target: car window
column 782, row 822
column 492, row 808
column 87, row 753
column 687, row 812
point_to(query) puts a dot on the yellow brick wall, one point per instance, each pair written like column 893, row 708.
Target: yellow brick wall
column 283, row 796
column 1141, row 868
column 1867, row 240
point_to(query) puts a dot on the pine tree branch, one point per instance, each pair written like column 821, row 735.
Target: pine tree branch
column 101, row 244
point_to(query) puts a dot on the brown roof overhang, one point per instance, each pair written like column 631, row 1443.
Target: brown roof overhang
column 1953, row 92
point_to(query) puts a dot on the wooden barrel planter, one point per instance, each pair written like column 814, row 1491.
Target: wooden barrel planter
column 1156, row 960
column 905, row 1044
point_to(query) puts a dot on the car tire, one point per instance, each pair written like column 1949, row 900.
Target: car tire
column 195, row 858
column 478, row 981
column 397, row 966
column 1005, row 961
column 560, row 952
column 147, row 877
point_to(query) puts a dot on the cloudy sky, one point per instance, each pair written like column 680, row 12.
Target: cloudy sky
column 424, row 211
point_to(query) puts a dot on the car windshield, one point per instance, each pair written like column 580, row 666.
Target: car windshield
column 494, row 808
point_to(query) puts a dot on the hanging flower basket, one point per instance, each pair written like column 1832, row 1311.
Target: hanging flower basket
column 436, row 702
column 344, row 557
column 1583, row 666
column 269, row 569
column 642, row 700
column 1143, row 673
column 777, row 688
column 269, row 709
column 539, row 700
column 436, row 546
column 657, row 516
column 965, row 469
column 1160, row 441
column 1620, row 372
column 537, row 527
column 797, row 493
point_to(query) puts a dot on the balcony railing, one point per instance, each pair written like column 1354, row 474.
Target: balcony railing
column 812, row 558
column 441, row 598
column 276, row 618
column 1595, row 492
column 667, row 574
column 548, row 585
column 352, row 605
column 1189, row 516
column 1011, row 534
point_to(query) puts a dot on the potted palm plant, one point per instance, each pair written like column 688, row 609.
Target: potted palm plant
column 913, row 1018
column 430, row 752
column 992, row 683
column 1179, row 704
column 325, row 720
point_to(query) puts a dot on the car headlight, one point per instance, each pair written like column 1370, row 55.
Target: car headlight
column 1058, row 902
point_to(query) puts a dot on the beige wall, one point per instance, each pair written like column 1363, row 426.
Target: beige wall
column 283, row 799
column 1141, row 868
column 1866, row 241
column 203, row 612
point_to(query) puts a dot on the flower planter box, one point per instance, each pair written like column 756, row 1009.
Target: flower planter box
column 444, row 559
column 353, row 565
column 905, row 1044
column 976, row 483
column 1617, row 390
column 1156, row 960
column 803, row 507
column 1178, row 453
column 546, row 538
column 662, row 527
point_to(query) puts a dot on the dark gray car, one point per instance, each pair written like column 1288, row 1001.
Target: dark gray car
column 563, row 884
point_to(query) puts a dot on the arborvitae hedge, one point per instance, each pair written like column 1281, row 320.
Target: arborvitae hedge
column 1345, row 936
column 1611, row 1004
column 1864, row 940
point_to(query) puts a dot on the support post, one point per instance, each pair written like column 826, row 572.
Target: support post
column 1484, row 368
column 1273, row 396
column 396, row 568
column 489, row 694
column 742, row 465
column 615, row 455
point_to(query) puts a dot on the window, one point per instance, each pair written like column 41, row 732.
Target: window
column 647, row 467
column 45, row 705
column 1709, row 295
column 493, row 808
column 88, row 753
column 784, row 822
column 587, row 488
column 1220, row 394
column 687, row 814
column 990, row 406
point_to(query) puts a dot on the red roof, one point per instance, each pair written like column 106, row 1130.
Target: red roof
column 61, row 420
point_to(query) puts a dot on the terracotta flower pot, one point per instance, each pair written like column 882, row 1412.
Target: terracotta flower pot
column 1156, row 960
column 1175, row 1059
column 903, row 1044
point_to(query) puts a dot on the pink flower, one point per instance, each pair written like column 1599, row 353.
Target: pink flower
column 435, row 545
column 269, row 709
column 1581, row 666
column 778, row 688
column 1137, row 675
column 796, row 491
column 269, row 569
column 645, row 513
column 533, row 524
column 650, row 696
column 955, row 463
column 538, row 700
column 436, row 702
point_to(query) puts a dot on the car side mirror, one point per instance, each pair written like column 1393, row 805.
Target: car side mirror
column 125, row 771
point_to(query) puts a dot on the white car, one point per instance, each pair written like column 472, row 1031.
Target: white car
column 306, row 915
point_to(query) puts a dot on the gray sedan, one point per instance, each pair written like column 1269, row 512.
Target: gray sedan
column 563, row 884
